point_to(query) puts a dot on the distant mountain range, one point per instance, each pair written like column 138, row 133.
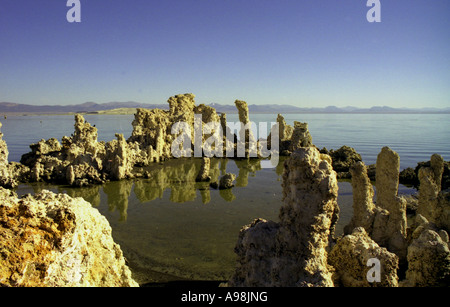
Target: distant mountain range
column 92, row 107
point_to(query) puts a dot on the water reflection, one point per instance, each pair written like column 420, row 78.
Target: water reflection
column 171, row 224
column 174, row 176
column 183, row 229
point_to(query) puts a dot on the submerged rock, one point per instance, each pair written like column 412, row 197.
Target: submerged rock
column 51, row 240
column 227, row 181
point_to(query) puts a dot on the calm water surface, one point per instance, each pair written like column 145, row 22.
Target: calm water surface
column 171, row 227
column 414, row 136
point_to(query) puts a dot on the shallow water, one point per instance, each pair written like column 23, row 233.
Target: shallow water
column 172, row 228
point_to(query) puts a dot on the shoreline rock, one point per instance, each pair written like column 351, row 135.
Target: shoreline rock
column 51, row 240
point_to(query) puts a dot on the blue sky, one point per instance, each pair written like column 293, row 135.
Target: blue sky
column 300, row 52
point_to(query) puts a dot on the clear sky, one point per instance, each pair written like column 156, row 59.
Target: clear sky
column 301, row 52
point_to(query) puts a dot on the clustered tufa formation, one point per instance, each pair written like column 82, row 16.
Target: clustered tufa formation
column 301, row 249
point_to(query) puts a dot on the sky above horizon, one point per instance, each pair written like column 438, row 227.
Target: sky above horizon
column 302, row 53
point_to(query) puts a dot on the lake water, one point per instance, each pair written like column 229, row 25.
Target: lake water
column 172, row 228
column 415, row 137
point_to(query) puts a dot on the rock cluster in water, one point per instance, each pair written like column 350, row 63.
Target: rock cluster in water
column 82, row 160
column 301, row 249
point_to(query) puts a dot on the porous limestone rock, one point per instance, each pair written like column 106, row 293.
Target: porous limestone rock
column 410, row 176
column 434, row 204
column 77, row 161
column 437, row 165
column 285, row 132
column 385, row 221
column 363, row 207
column 50, row 240
column 294, row 251
column 387, row 181
column 246, row 138
column 118, row 163
column 350, row 258
column 343, row 158
column 7, row 179
column 300, row 136
column 182, row 108
column 428, row 256
column 152, row 129
column 442, row 215
column 243, row 113
column 208, row 113
column 151, row 136
column 85, row 135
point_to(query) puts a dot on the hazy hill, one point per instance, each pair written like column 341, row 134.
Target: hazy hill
column 127, row 108
column 7, row 107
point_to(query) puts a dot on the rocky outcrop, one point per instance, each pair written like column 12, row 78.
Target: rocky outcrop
column 433, row 203
column 343, row 159
column 54, row 240
column 428, row 256
column 285, row 132
column 387, row 180
column 152, row 133
column 81, row 160
column 246, row 145
column 78, row 160
column 290, row 137
column 385, row 221
column 7, row 178
column 351, row 256
column 293, row 252
column 410, row 176
column 364, row 209
column 300, row 136
column 377, row 247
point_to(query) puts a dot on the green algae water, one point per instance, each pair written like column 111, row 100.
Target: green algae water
column 172, row 228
